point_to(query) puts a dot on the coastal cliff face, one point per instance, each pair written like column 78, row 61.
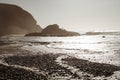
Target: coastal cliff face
column 54, row 30
column 14, row 20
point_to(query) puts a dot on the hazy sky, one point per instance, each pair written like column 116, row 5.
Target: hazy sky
column 77, row 15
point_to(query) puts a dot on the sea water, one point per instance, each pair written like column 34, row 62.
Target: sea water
column 90, row 47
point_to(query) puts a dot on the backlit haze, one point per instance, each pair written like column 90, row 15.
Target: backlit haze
column 74, row 15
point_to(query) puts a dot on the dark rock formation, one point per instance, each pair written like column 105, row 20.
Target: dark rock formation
column 102, row 33
column 54, row 30
column 15, row 20
column 15, row 73
column 93, row 33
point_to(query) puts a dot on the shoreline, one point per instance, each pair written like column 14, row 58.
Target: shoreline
column 19, row 73
column 66, row 67
column 32, row 57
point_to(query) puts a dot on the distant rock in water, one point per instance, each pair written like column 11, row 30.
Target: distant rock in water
column 54, row 30
column 93, row 33
column 33, row 34
column 14, row 20
column 102, row 33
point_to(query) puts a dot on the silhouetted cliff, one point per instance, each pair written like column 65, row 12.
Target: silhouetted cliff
column 15, row 20
column 54, row 30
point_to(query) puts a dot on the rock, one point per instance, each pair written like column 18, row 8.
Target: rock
column 103, row 33
column 54, row 30
column 15, row 20
column 93, row 33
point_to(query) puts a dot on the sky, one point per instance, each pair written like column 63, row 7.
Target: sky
column 74, row 15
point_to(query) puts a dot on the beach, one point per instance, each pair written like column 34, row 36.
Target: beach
column 27, row 58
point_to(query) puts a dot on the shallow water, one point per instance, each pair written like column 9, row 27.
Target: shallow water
column 95, row 48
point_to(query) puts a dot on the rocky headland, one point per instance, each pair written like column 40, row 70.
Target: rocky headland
column 16, row 21
column 54, row 30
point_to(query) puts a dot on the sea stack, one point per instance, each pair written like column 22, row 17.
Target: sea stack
column 54, row 30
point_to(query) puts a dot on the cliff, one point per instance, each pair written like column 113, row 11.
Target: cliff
column 15, row 20
column 54, row 30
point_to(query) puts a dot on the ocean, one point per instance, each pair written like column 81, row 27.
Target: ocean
column 95, row 48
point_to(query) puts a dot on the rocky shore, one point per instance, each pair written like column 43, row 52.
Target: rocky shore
column 8, row 72
column 97, row 69
column 16, row 63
